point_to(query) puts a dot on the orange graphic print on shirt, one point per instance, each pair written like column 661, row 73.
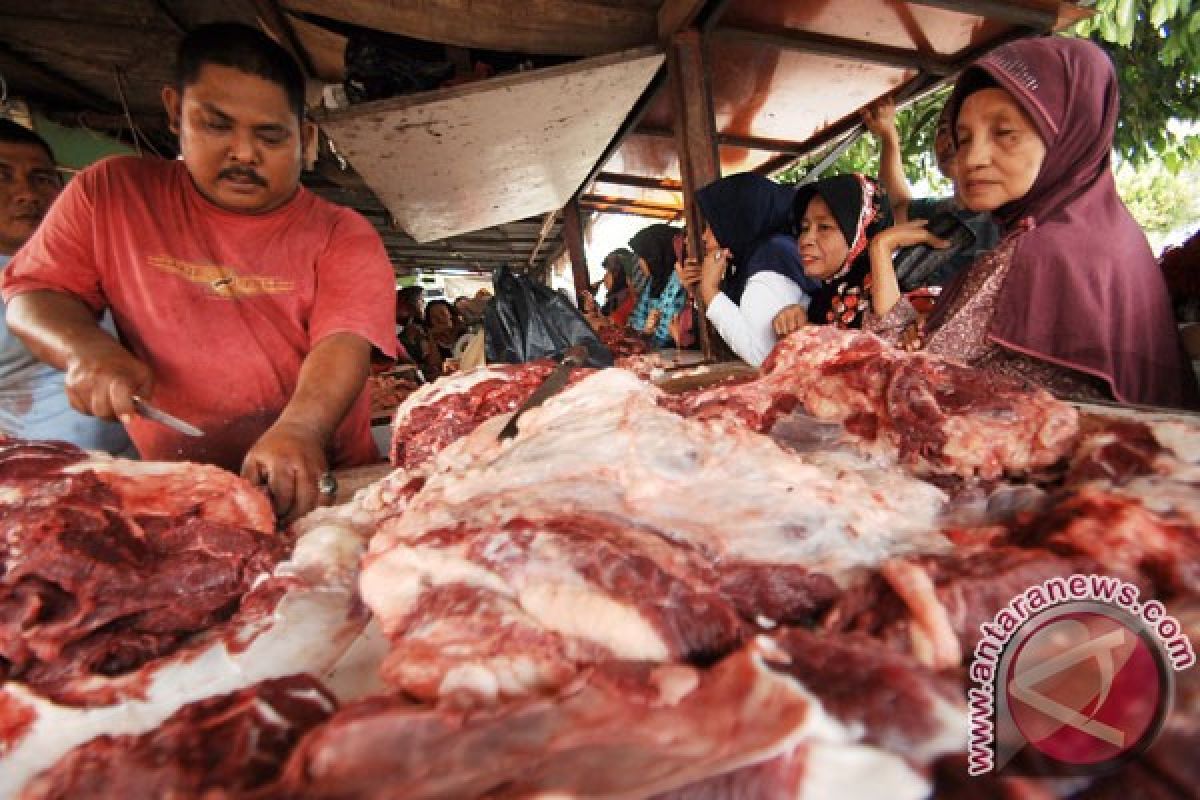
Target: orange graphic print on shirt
column 222, row 281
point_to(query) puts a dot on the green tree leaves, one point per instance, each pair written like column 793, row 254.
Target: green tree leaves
column 1155, row 46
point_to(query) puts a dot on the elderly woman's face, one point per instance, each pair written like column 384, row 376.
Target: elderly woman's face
column 999, row 150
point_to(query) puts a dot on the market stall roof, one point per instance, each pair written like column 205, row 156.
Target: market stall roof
column 786, row 78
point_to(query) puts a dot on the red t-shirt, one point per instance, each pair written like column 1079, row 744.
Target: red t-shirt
column 222, row 306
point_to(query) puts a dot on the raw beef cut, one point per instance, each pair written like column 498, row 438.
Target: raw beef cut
column 1123, row 538
column 611, row 527
column 98, row 554
column 229, row 744
column 900, row 705
column 440, row 413
column 621, row 341
column 932, row 606
column 932, row 415
column 196, row 613
column 619, row 731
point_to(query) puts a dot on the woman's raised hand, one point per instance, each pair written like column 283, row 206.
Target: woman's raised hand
column 907, row 234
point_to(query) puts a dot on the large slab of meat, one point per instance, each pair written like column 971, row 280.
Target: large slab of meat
column 440, row 413
column 107, row 565
column 131, row 589
column 929, row 414
column 611, row 528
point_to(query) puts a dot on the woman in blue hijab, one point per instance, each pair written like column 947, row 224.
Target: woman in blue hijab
column 751, row 269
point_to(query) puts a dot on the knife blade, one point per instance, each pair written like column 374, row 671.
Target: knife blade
column 551, row 385
column 163, row 418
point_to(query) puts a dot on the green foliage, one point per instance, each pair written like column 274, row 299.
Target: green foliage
column 917, row 124
column 1161, row 200
column 1155, row 45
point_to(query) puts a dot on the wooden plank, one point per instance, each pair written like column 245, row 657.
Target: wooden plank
column 599, row 200
column 663, row 215
column 640, row 181
column 1039, row 19
column 445, row 162
column 275, row 23
column 67, row 86
column 695, row 137
column 734, row 140
column 547, row 27
column 573, row 238
column 326, row 49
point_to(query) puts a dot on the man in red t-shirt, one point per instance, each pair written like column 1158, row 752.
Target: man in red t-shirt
column 245, row 304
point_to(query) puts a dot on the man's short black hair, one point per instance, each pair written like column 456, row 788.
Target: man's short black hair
column 14, row 133
column 231, row 44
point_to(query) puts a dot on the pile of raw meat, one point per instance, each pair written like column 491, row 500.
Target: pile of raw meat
column 765, row 589
column 131, row 589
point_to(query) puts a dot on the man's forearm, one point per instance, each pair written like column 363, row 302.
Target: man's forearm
column 331, row 378
column 56, row 327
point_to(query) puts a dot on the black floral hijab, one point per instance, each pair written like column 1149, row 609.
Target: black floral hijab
column 862, row 210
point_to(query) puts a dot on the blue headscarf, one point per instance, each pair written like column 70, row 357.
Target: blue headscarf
column 752, row 217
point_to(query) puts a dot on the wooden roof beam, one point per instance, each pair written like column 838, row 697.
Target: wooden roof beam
column 603, row 199
column 640, row 181
column 735, row 140
column 1033, row 18
column 276, row 23
column 73, row 89
column 676, row 15
column 834, row 47
column 663, row 215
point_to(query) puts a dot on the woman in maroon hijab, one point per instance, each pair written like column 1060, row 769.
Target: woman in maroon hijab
column 1071, row 298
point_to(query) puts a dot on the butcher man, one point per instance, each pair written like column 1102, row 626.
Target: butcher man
column 245, row 304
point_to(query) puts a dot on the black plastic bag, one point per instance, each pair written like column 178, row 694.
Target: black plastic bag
column 526, row 321
column 377, row 68
column 917, row 265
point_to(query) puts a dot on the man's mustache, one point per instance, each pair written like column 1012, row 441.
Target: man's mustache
column 241, row 173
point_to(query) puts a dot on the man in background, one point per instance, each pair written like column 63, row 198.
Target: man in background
column 33, row 402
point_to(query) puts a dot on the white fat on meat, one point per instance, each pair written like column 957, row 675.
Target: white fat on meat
column 495, row 519
column 605, row 446
column 934, row 642
column 306, row 632
column 432, row 393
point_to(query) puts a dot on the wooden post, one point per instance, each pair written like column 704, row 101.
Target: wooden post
column 695, row 138
column 573, row 238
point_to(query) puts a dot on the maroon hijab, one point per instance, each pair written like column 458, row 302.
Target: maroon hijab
column 1083, row 290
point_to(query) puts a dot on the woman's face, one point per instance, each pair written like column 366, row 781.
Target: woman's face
column 710, row 239
column 643, row 266
column 999, row 150
column 822, row 245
